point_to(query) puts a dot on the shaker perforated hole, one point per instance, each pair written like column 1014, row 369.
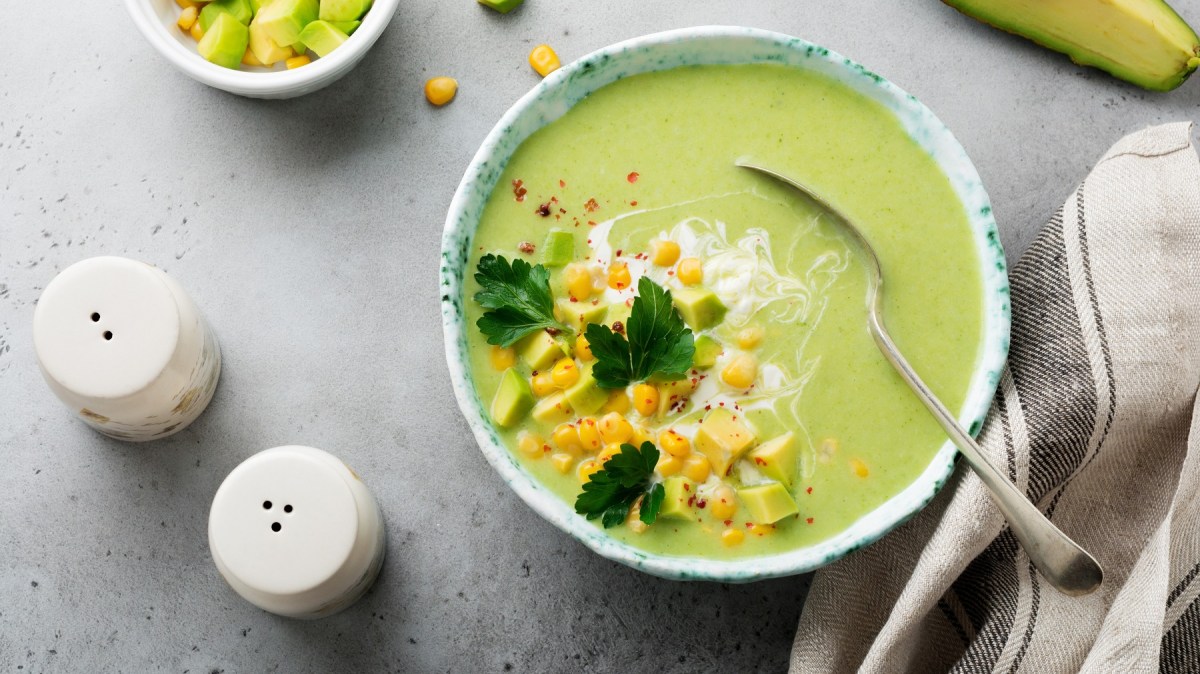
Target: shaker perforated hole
column 287, row 508
column 266, row 505
column 95, row 317
column 276, row 526
column 108, row 334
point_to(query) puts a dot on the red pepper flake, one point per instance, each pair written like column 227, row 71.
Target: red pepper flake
column 591, row 223
column 687, row 487
column 727, row 522
column 619, row 251
column 573, row 299
column 519, row 190
column 721, row 404
column 553, row 332
column 633, row 203
column 691, row 501
column 562, row 183
column 526, row 247
column 535, row 373
column 544, row 210
column 545, row 448
column 562, row 210
column 670, row 272
column 749, row 525
column 808, row 491
column 760, row 461
column 591, row 206
column 618, row 327
column 589, row 242
column 701, row 503
column 809, row 520
column 706, row 407
column 632, row 177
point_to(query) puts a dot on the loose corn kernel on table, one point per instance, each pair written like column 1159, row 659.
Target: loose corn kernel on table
column 308, row 231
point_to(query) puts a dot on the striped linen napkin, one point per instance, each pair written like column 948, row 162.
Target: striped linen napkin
column 1096, row 420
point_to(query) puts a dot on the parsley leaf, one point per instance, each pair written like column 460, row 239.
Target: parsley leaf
column 518, row 297
column 611, row 491
column 659, row 341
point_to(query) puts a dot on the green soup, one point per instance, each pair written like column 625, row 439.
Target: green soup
column 651, row 158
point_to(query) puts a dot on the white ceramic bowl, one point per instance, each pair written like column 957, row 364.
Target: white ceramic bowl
column 548, row 101
column 156, row 20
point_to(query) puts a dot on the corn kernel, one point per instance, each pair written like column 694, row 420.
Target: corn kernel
column 609, row 451
column 565, row 373
column 188, row 4
column 187, row 17
column 762, row 529
column 615, row 428
column 531, row 444
column 617, row 402
column 645, row 399
column 562, row 462
column 249, row 59
column 860, row 468
column 196, row 31
column 589, row 435
column 690, row 271
column 440, row 90
column 724, row 502
column 502, row 358
column 664, row 252
column 587, row 468
column 618, row 276
column 542, row 384
column 298, row 61
column 732, row 537
column 566, row 438
column 544, row 60
column 674, row 443
column 750, row 337
column 583, row 349
column 641, row 435
column 579, row 281
column 741, row 371
column 696, row 468
column 668, row 465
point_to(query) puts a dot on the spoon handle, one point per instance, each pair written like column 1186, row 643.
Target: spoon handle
column 1068, row 567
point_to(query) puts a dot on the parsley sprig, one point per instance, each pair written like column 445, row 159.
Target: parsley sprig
column 517, row 297
column 659, row 342
column 611, row 491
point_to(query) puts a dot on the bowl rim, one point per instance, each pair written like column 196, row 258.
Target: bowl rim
column 254, row 83
column 920, row 123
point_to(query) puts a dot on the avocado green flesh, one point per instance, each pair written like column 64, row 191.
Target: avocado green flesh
column 1141, row 41
column 322, row 37
column 681, row 130
column 225, row 42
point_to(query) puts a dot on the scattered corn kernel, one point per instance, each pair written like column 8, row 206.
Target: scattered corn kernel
column 732, row 537
column 196, row 31
column 188, row 4
column 562, row 462
column 609, row 451
column 544, row 60
column 762, row 529
column 690, row 271
column 674, row 443
column 860, row 468
column 531, row 444
column 696, row 468
column 543, row 384
column 641, row 435
column 566, row 438
column 565, row 373
column 298, row 61
column 668, row 465
column 187, row 17
column 645, row 399
column 579, row 281
column 503, row 358
column 615, row 428
column 249, row 59
column 586, row 469
column 583, row 349
column 440, row 90
column 750, row 337
column 589, row 434
column 723, row 502
column 618, row 276
column 741, row 371
column 664, row 252
column 617, row 402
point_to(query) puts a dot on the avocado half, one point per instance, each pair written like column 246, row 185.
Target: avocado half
column 1140, row 41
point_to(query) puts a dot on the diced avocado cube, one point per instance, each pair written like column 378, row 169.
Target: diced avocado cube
column 502, row 6
column 284, row 19
column 264, row 48
column 322, row 37
column 699, row 307
column 767, row 503
column 513, row 399
column 347, row 27
column 586, row 396
column 343, row 10
column 577, row 315
column 723, row 437
column 553, row 409
column 299, row 47
column 254, row 5
column 238, row 9
column 558, row 249
column 539, row 350
column 225, row 43
column 776, row 458
column 707, row 350
column 678, row 495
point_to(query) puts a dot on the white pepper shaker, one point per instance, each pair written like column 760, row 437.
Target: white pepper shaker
column 294, row 531
column 125, row 348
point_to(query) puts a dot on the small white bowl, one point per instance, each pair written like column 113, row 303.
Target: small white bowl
column 156, row 19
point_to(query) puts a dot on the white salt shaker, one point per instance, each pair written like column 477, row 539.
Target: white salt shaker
column 295, row 532
column 124, row 347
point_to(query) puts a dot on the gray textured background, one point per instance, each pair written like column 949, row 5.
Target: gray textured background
column 308, row 232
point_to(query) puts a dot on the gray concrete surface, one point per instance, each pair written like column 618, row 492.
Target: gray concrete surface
column 308, row 231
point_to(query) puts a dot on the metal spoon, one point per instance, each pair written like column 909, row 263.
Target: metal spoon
column 1065, row 565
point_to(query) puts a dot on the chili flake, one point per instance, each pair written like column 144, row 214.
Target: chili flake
column 591, row 206
column 519, row 190
column 632, row 177
column 526, row 247
column 544, row 210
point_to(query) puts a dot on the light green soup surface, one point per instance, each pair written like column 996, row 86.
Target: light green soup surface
column 651, row 158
